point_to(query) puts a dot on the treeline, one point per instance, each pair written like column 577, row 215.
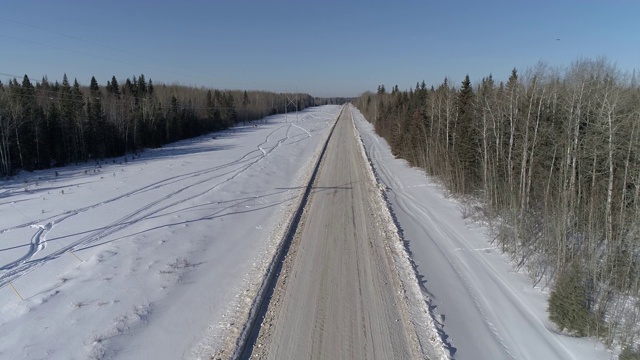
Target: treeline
column 333, row 100
column 51, row 124
column 555, row 156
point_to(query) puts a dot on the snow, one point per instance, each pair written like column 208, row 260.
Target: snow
column 153, row 256
column 483, row 307
column 156, row 255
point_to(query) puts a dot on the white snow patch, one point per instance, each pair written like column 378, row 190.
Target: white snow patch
column 147, row 255
column 483, row 308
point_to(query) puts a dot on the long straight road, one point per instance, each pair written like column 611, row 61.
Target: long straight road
column 337, row 295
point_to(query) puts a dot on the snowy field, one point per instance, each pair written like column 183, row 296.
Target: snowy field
column 147, row 258
column 485, row 309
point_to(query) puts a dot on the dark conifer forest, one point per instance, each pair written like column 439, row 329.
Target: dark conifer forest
column 47, row 123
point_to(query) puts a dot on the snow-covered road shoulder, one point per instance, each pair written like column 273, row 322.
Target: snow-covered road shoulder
column 415, row 306
column 482, row 307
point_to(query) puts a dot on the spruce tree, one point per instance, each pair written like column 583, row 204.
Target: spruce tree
column 466, row 142
column 142, row 86
column 79, row 121
column 113, row 88
column 172, row 123
column 55, row 136
column 5, row 143
column 229, row 115
column 245, row 99
column 26, row 134
column 629, row 352
column 95, row 122
column 568, row 306
column 211, row 112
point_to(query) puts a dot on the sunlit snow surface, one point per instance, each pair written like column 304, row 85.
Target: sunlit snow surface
column 146, row 258
column 485, row 309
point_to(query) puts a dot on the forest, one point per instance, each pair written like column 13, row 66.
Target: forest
column 550, row 159
column 50, row 124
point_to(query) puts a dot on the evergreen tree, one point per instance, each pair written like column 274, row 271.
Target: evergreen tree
column 128, row 87
column 568, row 306
column 172, row 124
column 213, row 114
column 55, row 136
column 96, row 137
column 229, row 115
column 466, row 143
column 5, row 134
column 142, row 86
column 245, row 104
column 27, row 134
column 79, row 122
column 629, row 352
column 113, row 88
column 245, row 99
column 67, row 127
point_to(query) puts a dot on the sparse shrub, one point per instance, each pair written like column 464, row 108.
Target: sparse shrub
column 629, row 353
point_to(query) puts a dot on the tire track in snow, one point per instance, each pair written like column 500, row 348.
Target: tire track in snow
column 444, row 230
column 59, row 218
column 428, row 220
column 154, row 186
column 415, row 209
column 412, row 207
column 303, row 129
column 26, row 264
column 38, row 242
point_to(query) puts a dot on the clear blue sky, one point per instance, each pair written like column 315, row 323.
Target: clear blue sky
column 325, row 48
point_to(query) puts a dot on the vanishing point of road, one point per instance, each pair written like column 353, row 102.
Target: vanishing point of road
column 337, row 294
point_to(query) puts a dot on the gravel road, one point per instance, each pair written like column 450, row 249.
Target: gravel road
column 337, row 295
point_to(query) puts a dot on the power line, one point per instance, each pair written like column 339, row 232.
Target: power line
column 68, row 36
column 84, row 41
column 9, row 75
column 184, row 71
column 83, row 53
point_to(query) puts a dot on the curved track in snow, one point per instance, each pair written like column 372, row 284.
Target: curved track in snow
column 203, row 181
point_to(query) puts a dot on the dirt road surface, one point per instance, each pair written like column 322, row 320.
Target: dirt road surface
column 337, row 295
